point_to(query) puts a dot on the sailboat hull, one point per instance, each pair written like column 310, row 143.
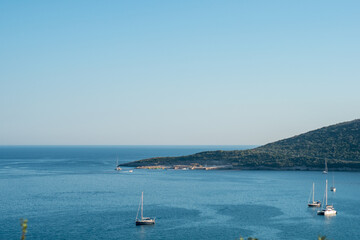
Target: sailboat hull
column 315, row 204
column 327, row 212
column 145, row 222
column 330, row 213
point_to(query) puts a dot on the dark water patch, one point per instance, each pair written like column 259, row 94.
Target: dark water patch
column 172, row 218
column 251, row 214
column 200, row 232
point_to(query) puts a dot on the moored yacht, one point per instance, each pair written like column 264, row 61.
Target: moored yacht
column 329, row 210
column 118, row 168
column 143, row 220
column 333, row 188
column 313, row 203
column 326, row 168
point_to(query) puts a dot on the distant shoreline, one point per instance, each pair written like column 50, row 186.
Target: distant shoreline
column 336, row 146
column 230, row 168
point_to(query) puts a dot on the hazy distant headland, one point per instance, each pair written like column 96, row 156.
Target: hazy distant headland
column 338, row 144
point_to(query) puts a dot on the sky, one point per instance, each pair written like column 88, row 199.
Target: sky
column 187, row 72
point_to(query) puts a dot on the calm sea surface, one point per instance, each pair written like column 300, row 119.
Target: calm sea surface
column 74, row 193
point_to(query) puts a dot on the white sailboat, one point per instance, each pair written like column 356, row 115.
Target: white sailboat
column 143, row 220
column 329, row 209
column 118, row 168
column 326, row 168
column 333, row 188
column 313, row 203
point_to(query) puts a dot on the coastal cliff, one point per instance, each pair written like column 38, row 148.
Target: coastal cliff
column 338, row 144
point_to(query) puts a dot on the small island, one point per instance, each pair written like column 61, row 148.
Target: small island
column 338, row 145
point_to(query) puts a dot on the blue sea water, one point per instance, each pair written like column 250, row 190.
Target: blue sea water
column 73, row 192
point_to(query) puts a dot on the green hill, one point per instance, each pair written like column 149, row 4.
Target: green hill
column 339, row 144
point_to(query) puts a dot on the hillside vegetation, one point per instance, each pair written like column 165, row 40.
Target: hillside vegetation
column 339, row 144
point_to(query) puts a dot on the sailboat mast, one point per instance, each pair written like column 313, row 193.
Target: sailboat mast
column 326, row 193
column 313, row 191
column 326, row 168
column 142, row 199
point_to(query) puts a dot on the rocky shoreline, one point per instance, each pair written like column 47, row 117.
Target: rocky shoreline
column 187, row 167
column 229, row 167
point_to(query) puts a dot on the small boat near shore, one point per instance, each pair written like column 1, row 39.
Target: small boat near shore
column 117, row 168
column 143, row 220
column 326, row 168
column 333, row 188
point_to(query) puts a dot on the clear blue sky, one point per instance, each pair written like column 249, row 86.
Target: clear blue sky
column 176, row 72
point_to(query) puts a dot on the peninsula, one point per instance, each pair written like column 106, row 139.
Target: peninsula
column 338, row 144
